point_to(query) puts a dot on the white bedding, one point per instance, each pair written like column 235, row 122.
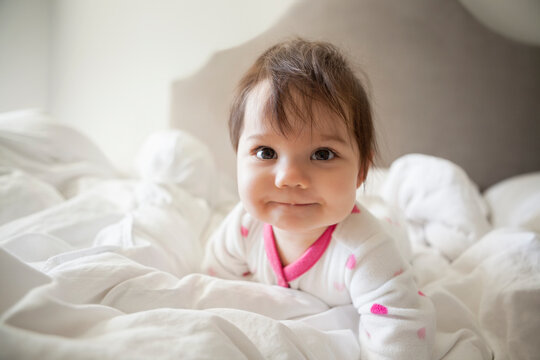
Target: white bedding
column 104, row 266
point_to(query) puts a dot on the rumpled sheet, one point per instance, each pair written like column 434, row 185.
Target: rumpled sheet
column 110, row 272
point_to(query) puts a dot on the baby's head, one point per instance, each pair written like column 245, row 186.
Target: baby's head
column 301, row 73
column 301, row 96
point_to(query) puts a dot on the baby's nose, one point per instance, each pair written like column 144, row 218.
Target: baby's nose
column 292, row 174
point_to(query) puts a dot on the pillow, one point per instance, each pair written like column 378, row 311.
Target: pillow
column 56, row 154
column 442, row 206
column 515, row 202
column 34, row 135
column 22, row 195
column 179, row 158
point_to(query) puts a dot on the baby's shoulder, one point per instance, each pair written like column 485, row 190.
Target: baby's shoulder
column 238, row 215
column 360, row 229
column 242, row 223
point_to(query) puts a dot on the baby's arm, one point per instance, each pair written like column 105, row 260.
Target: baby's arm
column 396, row 319
column 225, row 254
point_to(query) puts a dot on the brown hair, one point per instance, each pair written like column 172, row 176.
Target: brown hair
column 313, row 72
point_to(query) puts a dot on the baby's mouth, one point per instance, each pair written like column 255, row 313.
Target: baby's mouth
column 294, row 204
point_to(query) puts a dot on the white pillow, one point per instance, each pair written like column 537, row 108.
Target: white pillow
column 56, row 154
column 442, row 206
column 34, row 135
column 22, row 195
column 515, row 202
column 179, row 158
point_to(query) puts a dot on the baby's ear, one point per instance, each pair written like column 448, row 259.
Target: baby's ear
column 361, row 178
column 363, row 170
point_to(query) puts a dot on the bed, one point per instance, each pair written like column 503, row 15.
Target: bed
column 97, row 264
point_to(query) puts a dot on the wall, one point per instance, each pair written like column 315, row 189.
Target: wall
column 24, row 54
column 442, row 83
column 106, row 67
column 113, row 62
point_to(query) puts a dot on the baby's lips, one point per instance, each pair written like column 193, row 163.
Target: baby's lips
column 294, row 203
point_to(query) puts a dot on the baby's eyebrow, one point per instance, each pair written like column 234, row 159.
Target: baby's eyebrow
column 257, row 137
column 322, row 137
column 332, row 137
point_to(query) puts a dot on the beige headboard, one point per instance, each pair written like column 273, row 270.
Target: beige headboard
column 441, row 83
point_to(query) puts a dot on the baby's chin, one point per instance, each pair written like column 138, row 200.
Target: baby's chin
column 304, row 219
column 297, row 225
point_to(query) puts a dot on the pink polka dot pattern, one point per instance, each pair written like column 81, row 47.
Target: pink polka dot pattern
column 392, row 221
column 339, row 286
column 421, row 293
column 247, row 273
column 355, row 210
column 421, row 333
column 244, row 231
column 379, row 309
column 211, row 272
column 399, row 272
column 351, row 262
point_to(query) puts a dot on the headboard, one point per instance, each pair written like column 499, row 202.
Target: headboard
column 441, row 83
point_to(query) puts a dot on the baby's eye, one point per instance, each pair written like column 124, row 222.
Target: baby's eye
column 266, row 153
column 323, row 154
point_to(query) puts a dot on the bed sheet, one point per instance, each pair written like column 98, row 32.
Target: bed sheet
column 108, row 266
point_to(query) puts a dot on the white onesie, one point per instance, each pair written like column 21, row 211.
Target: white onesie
column 354, row 261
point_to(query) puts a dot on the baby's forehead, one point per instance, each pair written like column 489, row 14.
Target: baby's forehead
column 300, row 133
column 302, row 116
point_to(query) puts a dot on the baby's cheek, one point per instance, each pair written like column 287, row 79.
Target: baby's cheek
column 341, row 196
column 246, row 180
column 247, row 191
column 251, row 189
column 342, row 188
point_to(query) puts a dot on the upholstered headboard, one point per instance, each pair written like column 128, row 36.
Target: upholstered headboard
column 441, row 83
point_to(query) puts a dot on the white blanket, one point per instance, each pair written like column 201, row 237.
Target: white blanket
column 111, row 273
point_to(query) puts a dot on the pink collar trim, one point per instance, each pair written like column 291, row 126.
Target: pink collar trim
column 301, row 265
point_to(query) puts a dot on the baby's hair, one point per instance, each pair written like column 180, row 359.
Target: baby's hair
column 301, row 73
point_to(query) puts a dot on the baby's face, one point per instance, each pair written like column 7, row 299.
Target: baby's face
column 301, row 183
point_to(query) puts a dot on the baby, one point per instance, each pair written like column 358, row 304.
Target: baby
column 302, row 128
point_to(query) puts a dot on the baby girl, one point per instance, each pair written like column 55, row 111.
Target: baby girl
column 302, row 128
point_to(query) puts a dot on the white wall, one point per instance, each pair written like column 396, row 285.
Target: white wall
column 24, row 54
column 106, row 67
column 113, row 61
